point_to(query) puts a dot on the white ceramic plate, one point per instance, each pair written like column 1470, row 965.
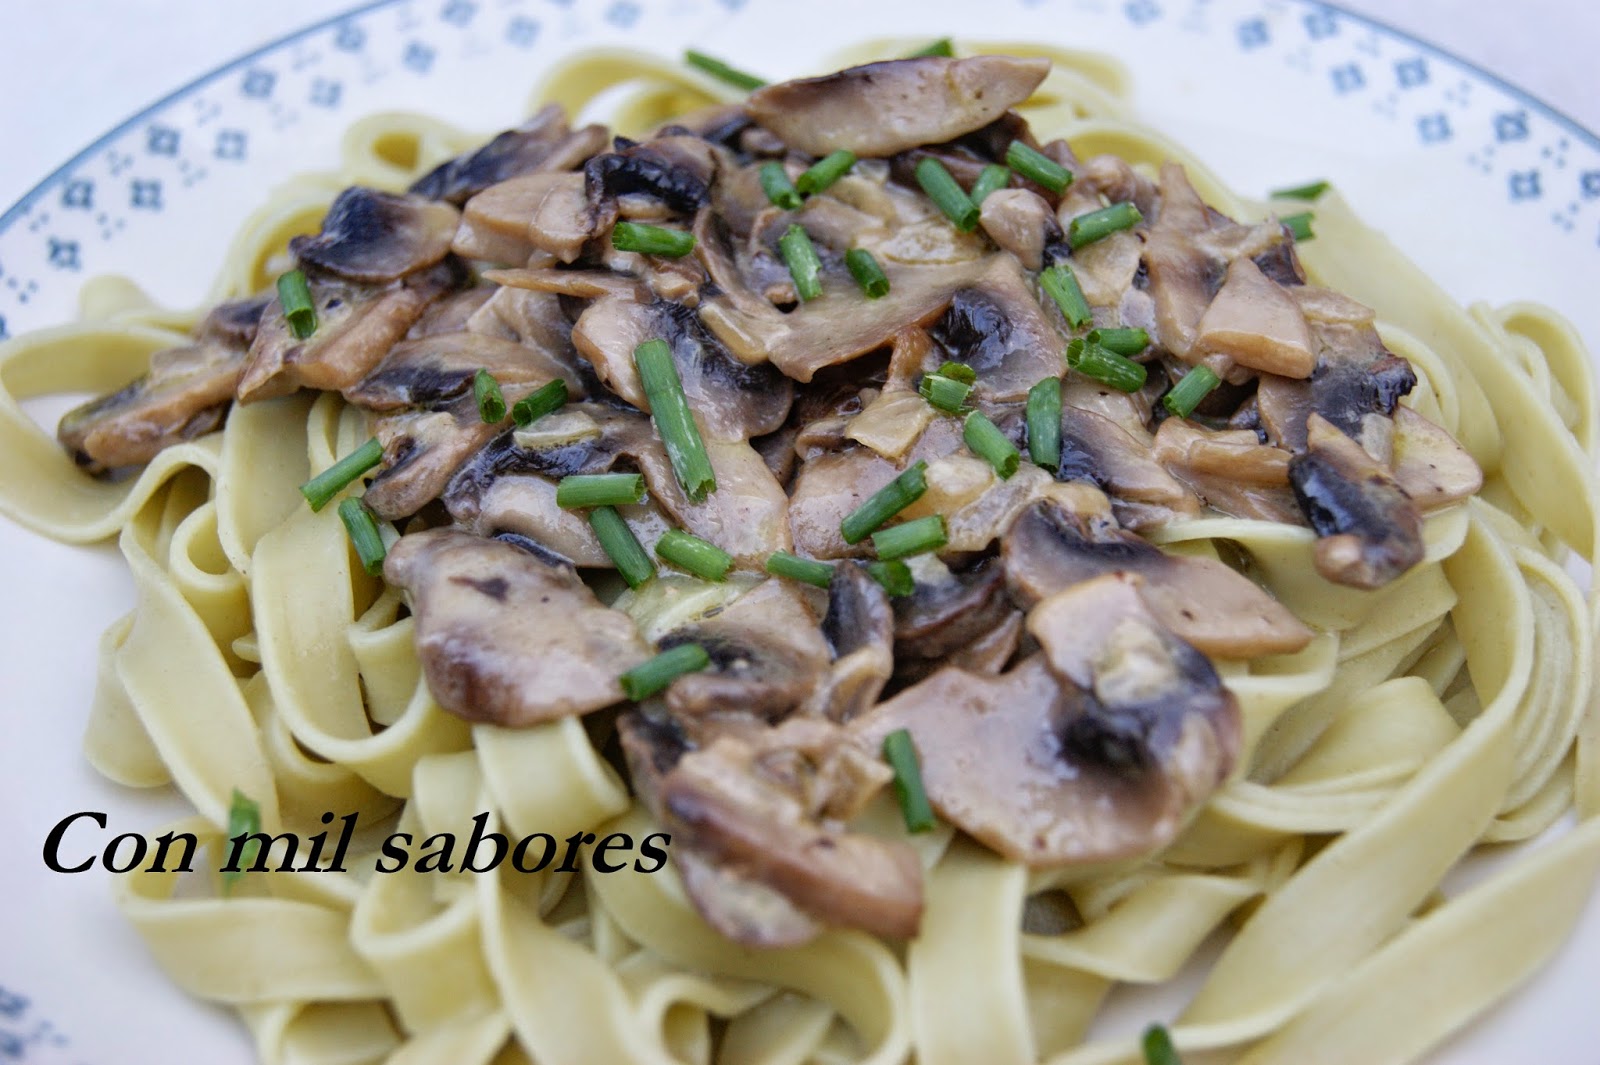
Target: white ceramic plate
column 1492, row 191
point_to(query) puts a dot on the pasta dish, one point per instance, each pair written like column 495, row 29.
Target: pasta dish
column 866, row 565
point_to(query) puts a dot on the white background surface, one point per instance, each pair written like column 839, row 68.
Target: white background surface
column 71, row 70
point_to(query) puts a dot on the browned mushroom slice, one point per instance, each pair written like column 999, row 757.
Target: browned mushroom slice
column 1369, row 531
column 677, row 171
column 996, row 327
column 732, row 401
column 435, row 370
column 547, row 210
column 184, row 394
column 767, row 654
column 859, row 627
column 1183, row 277
column 825, row 491
column 485, row 632
column 374, row 236
column 1020, row 222
column 422, row 449
column 544, row 142
column 1429, row 465
column 526, row 317
column 356, row 326
column 451, row 313
column 1143, row 493
column 1051, row 547
column 1049, row 773
column 1253, row 321
column 950, row 610
column 882, row 108
column 1232, row 470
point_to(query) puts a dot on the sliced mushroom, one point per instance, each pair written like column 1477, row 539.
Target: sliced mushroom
column 544, row 142
column 422, row 449
column 375, row 237
column 825, row 491
column 547, row 210
column 534, row 319
column 675, row 170
column 452, row 312
column 356, row 326
column 488, row 649
column 435, row 370
column 859, row 628
column 1232, row 470
column 184, row 394
column 1429, row 466
column 1051, row 547
column 882, row 108
column 996, row 327
column 1369, row 531
column 1143, row 493
column 1254, row 322
column 1020, row 222
column 950, row 610
column 1183, row 277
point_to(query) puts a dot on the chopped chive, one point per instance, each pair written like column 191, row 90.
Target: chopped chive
column 804, row 266
column 1097, row 225
column 901, row 754
column 894, row 576
column 911, row 538
column 669, row 409
column 362, row 526
column 885, row 503
column 1193, row 387
column 1308, row 192
column 825, row 171
column 491, row 401
column 1299, row 225
column 990, row 444
column 991, row 178
column 599, row 490
column 1123, row 341
column 651, row 240
column 333, row 480
column 298, row 309
column 621, row 546
column 1105, row 366
column 1062, row 285
column 868, row 274
column 546, row 399
column 795, row 568
column 958, row 371
column 944, row 393
column 722, row 71
column 947, row 194
column 1158, row 1048
column 1044, row 423
column 244, row 819
column 699, row 557
column 1037, row 167
column 779, row 189
column 941, row 47
column 648, row 678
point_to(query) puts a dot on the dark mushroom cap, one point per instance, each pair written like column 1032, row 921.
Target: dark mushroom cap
column 374, row 236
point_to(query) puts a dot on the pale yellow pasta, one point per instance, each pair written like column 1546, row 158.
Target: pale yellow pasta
column 1452, row 709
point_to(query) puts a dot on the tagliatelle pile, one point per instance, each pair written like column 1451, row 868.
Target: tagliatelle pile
column 1449, row 710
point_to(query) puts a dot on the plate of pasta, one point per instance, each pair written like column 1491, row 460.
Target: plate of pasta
column 640, row 539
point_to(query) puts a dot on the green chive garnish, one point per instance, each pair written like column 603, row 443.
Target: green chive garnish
column 244, row 817
column 894, row 576
column 1308, row 192
column 1123, row 341
column 1037, row 167
column 958, row 371
column 885, row 503
column 651, row 240
column 1062, row 285
column 1194, row 386
column 491, row 401
column 1097, row 225
column 804, row 266
column 722, row 71
column 599, row 490
column 795, row 568
column 943, row 392
column 946, row 194
column 362, row 526
column 990, row 444
column 621, row 546
column 669, row 409
column 901, row 754
column 648, row 678
column 331, row 481
column 991, row 178
column 1158, row 1048
column 779, row 189
column 825, row 171
column 1105, row 366
column 1044, row 423
column 941, row 47
column 868, row 274
column 699, row 557
column 1299, row 225
column 911, row 538
column 298, row 308
column 546, row 399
